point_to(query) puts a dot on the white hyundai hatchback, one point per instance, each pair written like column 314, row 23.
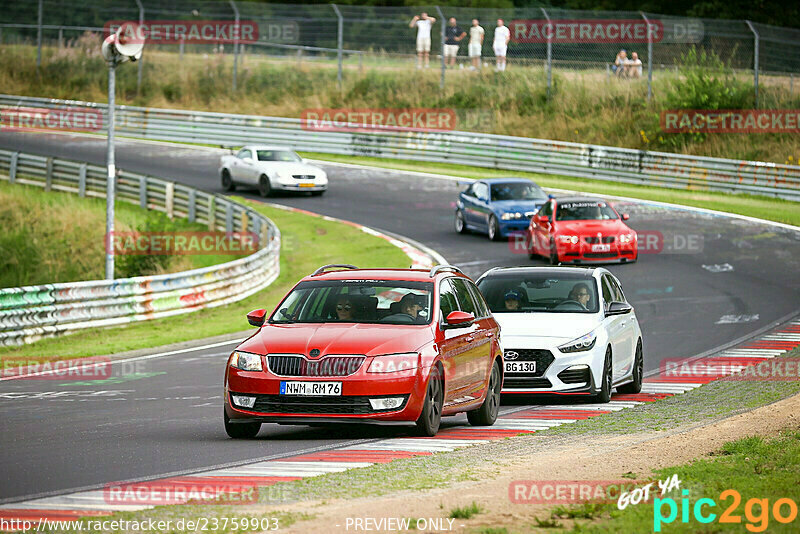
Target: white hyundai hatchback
column 565, row 331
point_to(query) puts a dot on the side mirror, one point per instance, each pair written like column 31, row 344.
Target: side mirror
column 625, row 216
column 619, row 308
column 542, row 219
column 458, row 319
column 257, row 317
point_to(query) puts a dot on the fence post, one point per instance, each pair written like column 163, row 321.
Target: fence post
column 12, row 170
column 61, row 37
column 229, row 218
column 235, row 42
column 549, row 67
column 339, row 42
column 82, row 180
column 139, row 72
column 39, row 36
column 143, row 192
column 192, row 215
column 755, row 58
column 649, row 57
column 180, row 49
column 48, row 180
column 444, row 64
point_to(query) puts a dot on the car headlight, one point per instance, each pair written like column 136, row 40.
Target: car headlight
column 246, row 361
column 568, row 239
column 625, row 238
column 394, row 363
column 510, row 216
column 581, row 344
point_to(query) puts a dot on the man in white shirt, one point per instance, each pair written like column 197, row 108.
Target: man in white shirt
column 502, row 35
column 475, row 43
column 635, row 68
column 423, row 24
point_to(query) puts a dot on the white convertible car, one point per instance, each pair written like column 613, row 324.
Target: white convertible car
column 271, row 168
column 565, row 331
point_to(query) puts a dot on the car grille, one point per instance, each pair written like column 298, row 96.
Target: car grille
column 598, row 240
column 344, row 405
column 303, row 176
column 526, row 383
column 600, row 255
column 543, row 359
column 574, row 376
column 328, row 366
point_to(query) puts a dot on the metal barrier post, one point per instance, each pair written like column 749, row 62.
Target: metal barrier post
column 48, row 179
column 549, row 67
column 444, row 64
column 192, row 215
column 111, row 170
column 229, row 218
column 235, row 42
column 649, row 57
column 143, row 192
column 39, row 36
column 61, row 37
column 12, row 170
column 180, row 50
column 755, row 58
column 82, row 180
column 339, row 42
column 141, row 59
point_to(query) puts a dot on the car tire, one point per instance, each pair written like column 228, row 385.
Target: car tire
column 486, row 415
column 461, row 224
column 227, row 181
column 494, row 228
column 431, row 416
column 553, row 253
column 606, row 386
column 264, row 187
column 638, row 372
column 240, row 430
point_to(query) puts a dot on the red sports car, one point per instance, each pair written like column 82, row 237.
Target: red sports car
column 386, row 345
column 580, row 230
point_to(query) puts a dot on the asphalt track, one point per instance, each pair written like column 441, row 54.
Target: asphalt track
column 162, row 415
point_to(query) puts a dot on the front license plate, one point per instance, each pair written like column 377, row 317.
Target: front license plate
column 520, row 367
column 311, row 389
column 601, row 248
column 307, row 185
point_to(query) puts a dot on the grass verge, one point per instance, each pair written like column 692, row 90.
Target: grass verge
column 771, row 209
column 308, row 242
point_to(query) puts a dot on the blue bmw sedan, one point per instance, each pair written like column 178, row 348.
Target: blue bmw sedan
column 498, row 206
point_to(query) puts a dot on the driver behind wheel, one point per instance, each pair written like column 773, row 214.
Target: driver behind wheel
column 410, row 306
column 580, row 293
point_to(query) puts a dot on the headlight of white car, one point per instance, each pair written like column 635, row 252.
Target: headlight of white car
column 581, row 344
column 246, row 361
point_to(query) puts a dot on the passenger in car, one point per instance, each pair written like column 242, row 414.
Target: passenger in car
column 345, row 308
column 513, row 300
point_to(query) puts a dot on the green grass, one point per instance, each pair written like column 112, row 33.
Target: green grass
column 50, row 237
column 771, row 209
column 465, row 512
column 308, row 242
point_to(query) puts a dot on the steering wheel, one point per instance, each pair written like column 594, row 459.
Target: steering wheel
column 571, row 302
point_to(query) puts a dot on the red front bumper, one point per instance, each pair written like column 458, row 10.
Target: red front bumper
column 587, row 252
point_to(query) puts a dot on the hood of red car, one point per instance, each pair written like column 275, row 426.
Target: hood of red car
column 338, row 338
column 612, row 227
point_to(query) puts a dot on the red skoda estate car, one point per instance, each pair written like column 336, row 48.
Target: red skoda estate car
column 580, row 230
column 368, row 345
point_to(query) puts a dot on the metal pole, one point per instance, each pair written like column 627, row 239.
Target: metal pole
column 649, row 57
column 111, row 172
column 549, row 67
column 444, row 65
column 339, row 41
column 61, row 37
column 141, row 60
column 235, row 43
column 755, row 59
column 39, row 36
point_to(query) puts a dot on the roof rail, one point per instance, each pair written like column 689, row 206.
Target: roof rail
column 445, row 267
column 333, row 266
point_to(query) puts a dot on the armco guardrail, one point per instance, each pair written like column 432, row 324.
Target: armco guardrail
column 484, row 150
column 28, row 313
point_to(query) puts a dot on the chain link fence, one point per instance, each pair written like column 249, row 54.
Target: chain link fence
column 573, row 43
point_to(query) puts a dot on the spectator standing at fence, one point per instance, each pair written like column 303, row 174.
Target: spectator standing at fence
column 423, row 23
column 475, row 43
column 635, row 68
column 502, row 35
column 453, row 36
column 619, row 63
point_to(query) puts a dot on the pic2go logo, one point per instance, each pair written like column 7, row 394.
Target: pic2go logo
column 756, row 511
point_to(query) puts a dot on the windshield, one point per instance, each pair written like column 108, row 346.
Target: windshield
column 590, row 210
column 517, row 191
column 356, row 301
column 545, row 292
column 278, row 155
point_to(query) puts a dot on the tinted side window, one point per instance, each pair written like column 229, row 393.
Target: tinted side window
column 619, row 296
column 480, row 304
column 464, row 298
column 244, row 154
column 608, row 295
column 481, row 190
column 447, row 299
column 546, row 210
